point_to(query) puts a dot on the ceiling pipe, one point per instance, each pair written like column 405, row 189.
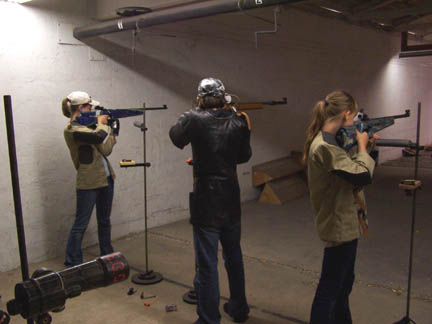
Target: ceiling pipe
column 175, row 4
column 186, row 12
column 159, row 7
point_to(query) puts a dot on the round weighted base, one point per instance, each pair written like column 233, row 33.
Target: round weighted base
column 44, row 318
column 4, row 317
column 147, row 278
column 190, row 297
column 405, row 320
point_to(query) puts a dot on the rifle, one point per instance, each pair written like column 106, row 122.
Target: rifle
column 90, row 118
column 347, row 137
column 257, row 105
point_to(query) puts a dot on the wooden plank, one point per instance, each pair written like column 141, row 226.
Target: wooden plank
column 298, row 157
column 282, row 190
column 275, row 169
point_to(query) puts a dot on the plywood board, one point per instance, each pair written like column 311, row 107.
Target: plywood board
column 262, row 173
column 282, row 190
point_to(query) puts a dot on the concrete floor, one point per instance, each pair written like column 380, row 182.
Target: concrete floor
column 282, row 257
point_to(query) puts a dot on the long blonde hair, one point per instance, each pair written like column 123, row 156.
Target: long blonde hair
column 330, row 107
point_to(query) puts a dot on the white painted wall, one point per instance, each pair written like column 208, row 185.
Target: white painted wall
column 309, row 57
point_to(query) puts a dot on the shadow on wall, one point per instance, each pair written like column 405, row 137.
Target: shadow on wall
column 237, row 73
column 170, row 77
column 54, row 183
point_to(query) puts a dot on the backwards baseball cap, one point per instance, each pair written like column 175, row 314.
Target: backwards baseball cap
column 211, row 87
column 81, row 98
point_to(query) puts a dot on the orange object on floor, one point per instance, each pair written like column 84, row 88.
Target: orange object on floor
column 149, row 303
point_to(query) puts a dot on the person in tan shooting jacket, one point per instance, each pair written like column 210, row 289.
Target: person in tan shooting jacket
column 89, row 147
column 335, row 180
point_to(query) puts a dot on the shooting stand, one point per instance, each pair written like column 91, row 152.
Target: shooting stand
column 190, row 297
column 148, row 277
column 410, row 186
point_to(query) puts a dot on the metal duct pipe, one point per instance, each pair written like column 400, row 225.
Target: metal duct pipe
column 192, row 11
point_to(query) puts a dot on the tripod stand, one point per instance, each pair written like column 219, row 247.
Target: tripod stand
column 410, row 187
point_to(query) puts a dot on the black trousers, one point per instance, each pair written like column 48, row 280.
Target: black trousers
column 331, row 304
column 206, row 282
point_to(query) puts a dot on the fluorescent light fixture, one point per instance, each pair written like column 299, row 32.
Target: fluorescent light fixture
column 332, row 10
column 18, row 1
column 412, row 33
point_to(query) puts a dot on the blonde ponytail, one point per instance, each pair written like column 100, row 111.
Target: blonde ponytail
column 318, row 119
column 330, row 107
column 66, row 108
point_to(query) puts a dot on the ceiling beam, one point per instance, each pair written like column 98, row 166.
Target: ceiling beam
column 412, row 48
column 321, row 5
column 415, row 54
column 420, row 8
column 370, row 6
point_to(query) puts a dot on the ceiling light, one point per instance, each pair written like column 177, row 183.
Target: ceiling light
column 332, row 10
column 18, row 1
column 412, row 33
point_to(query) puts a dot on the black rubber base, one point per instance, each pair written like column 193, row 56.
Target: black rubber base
column 4, row 317
column 405, row 320
column 147, row 278
column 190, row 297
column 44, row 319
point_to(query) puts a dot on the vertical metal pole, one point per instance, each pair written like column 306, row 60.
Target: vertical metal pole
column 149, row 277
column 417, row 140
column 145, row 186
column 413, row 214
column 15, row 187
column 16, row 190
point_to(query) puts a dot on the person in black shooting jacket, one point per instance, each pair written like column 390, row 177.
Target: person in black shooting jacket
column 220, row 139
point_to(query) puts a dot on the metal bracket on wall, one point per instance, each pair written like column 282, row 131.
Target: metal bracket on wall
column 276, row 11
column 413, row 50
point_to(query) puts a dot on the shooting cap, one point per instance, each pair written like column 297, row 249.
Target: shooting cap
column 81, row 98
column 211, row 87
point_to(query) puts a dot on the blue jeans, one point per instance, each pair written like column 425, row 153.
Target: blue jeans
column 86, row 200
column 206, row 282
column 331, row 304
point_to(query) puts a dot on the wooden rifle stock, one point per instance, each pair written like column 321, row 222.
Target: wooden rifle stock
column 258, row 105
column 248, row 106
column 361, row 214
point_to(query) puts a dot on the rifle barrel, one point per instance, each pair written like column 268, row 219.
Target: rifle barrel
column 147, row 108
column 156, row 108
column 407, row 114
column 395, row 143
column 266, row 103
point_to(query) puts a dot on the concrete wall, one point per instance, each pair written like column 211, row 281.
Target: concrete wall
column 309, row 57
